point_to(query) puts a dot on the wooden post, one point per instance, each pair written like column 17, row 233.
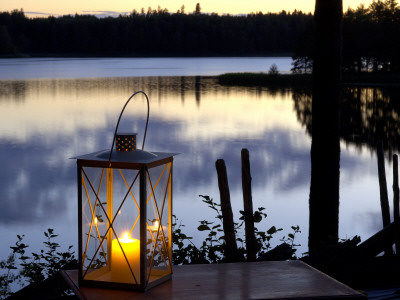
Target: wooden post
column 396, row 210
column 226, row 209
column 383, row 186
column 248, row 207
column 383, row 190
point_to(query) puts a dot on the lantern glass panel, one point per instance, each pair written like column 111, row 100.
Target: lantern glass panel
column 94, row 221
column 111, row 237
column 110, row 225
column 159, row 190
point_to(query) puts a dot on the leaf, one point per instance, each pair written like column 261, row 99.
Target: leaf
column 257, row 217
column 272, row 230
column 203, row 227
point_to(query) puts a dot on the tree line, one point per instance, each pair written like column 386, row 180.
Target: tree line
column 152, row 33
column 371, row 40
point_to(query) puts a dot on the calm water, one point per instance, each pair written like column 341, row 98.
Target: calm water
column 117, row 67
column 44, row 122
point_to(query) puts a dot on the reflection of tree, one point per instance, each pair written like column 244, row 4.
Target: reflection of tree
column 303, row 107
column 367, row 115
column 371, row 114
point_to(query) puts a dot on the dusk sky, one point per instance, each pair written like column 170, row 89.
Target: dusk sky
column 115, row 7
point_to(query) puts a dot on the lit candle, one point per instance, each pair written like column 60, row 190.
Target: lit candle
column 119, row 267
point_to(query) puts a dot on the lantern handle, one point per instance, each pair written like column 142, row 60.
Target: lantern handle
column 120, row 116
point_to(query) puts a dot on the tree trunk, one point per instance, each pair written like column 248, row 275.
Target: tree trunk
column 325, row 146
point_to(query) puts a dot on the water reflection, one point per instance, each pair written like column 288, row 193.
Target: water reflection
column 45, row 122
column 367, row 116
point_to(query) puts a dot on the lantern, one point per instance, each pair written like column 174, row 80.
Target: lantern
column 125, row 214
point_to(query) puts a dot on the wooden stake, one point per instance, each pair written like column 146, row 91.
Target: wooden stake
column 226, row 209
column 383, row 190
column 396, row 210
column 248, row 207
column 383, row 186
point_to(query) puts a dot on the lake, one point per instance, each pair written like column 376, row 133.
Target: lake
column 55, row 109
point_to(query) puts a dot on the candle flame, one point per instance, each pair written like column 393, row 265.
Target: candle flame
column 156, row 224
column 95, row 220
column 126, row 238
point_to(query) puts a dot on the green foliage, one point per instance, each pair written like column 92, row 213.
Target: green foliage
column 273, row 70
column 35, row 268
column 290, row 239
column 212, row 249
column 8, row 277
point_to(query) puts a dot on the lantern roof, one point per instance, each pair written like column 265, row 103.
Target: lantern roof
column 137, row 156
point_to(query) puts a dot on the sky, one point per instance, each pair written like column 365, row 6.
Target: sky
column 115, row 7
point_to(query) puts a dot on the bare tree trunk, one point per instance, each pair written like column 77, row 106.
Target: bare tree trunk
column 325, row 146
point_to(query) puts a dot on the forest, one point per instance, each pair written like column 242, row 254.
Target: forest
column 371, row 35
column 152, row 33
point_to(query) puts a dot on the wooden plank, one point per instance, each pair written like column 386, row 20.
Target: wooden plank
column 377, row 243
column 236, row 281
column 248, row 207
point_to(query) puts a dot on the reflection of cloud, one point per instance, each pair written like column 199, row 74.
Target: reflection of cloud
column 31, row 191
column 45, row 122
column 372, row 221
column 43, row 130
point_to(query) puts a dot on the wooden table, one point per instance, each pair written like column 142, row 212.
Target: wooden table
column 253, row 280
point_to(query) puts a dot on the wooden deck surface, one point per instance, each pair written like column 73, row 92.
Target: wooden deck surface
column 253, row 280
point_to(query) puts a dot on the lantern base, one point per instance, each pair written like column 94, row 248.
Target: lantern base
column 103, row 278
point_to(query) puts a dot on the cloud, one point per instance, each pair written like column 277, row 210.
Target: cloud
column 36, row 14
column 97, row 13
column 105, row 13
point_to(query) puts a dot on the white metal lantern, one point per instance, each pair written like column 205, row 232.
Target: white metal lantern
column 125, row 214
